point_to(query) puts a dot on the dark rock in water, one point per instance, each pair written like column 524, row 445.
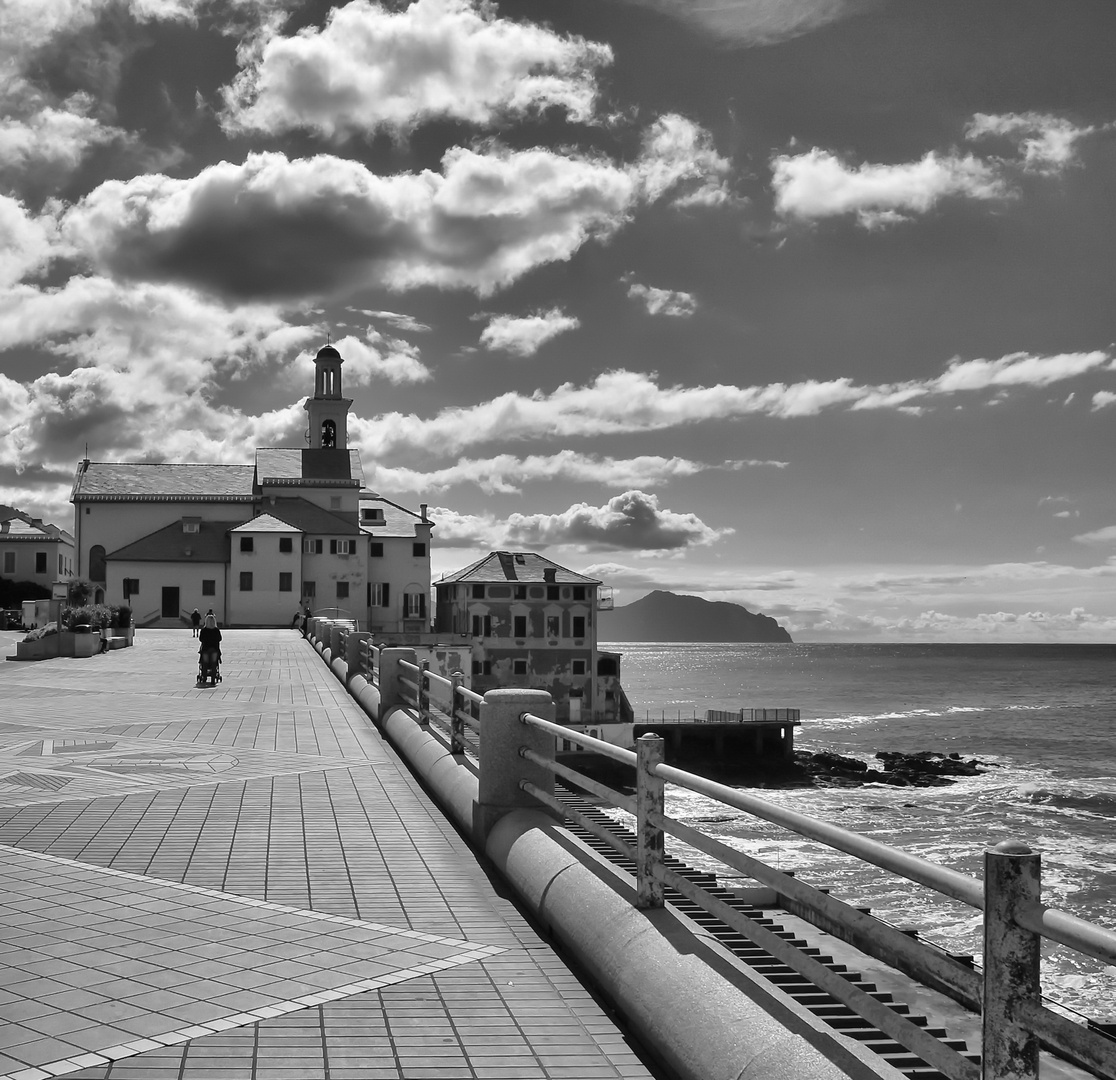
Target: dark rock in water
column 926, row 768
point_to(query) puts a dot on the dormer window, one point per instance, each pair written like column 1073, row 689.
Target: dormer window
column 371, row 515
column 191, row 525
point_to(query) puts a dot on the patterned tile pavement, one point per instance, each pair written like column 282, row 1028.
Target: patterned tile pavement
column 243, row 882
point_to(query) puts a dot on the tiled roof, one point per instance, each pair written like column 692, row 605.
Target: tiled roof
column 398, row 520
column 499, row 566
column 171, row 544
column 294, row 465
column 309, row 518
column 263, row 523
column 21, row 527
column 138, row 480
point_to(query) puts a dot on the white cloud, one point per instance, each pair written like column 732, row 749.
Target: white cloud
column 629, row 401
column 524, row 335
column 366, row 360
column 1048, row 143
column 679, row 154
column 507, row 474
column 401, row 322
column 370, row 68
column 1102, row 399
column 1099, row 537
column 680, row 305
column 818, row 184
column 26, row 243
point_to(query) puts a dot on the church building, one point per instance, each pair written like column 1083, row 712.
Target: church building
column 297, row 529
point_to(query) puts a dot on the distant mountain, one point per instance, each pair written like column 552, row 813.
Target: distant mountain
column 664, row 616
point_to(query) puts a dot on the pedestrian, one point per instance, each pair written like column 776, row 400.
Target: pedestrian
column 209, row 613
column 296, row 622
column 195, row 621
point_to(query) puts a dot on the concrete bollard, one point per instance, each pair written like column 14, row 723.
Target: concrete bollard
column 1010, row 1049
column 353, row 661
column 391, row 692
column 501, row 767
column 334, row 643
column 650, row 799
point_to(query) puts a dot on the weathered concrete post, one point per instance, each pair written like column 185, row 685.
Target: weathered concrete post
column 423, row 694
column 650, row 790
column 457, row 725
column 501, row 767
column 1010, row 1050
column 333, row 643
column 391, row 691
column 354, row 662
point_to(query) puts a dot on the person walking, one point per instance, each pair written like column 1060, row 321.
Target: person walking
column 210, row 637
column 195, row 621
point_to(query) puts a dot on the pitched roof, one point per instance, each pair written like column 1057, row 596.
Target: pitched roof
column 500, row 566
column 307, row 517
column 322, row 468
column 262, row 523
column 22, row 527
column 397, row 520
column 170, row 544
column 130, row 481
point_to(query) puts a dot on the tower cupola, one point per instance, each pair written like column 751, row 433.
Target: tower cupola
column 327, row 408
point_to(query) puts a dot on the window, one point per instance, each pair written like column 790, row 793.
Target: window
column 519, row 667
column 579, row 626
column 131, row 587
column 309, row 588
column 60, row 565
column 371, row 515
column 335, row 502
column 245, row 580
column 579, row 592
column 414, row 605
column 521, row 592
column 552, row 592
column 482, row 626
column 341, row 547
column 40, row 562
column 342, row 590
column 209, row 587
column 476, row 667
column 419, row 551
column 285, row 583
column 552, row 626
column 311, row 547
column 478, row 592
column 579, row 667
column 9, row 562
column 286, row 545
column 247, row 543
column 379, row 594
column 376, row 549
column 87, row 509
column 191, row 526
column 520, row 626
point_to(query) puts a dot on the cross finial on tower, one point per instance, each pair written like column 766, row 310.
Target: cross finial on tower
column 329, row 337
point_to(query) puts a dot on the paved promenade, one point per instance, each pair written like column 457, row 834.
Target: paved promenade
column 244, row 883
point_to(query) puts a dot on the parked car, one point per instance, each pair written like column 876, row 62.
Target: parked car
column 11, row 619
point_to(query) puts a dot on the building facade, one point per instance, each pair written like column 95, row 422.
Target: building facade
column 295, row 530
column 33, row 550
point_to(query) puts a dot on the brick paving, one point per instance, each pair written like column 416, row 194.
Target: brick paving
column 243, row 883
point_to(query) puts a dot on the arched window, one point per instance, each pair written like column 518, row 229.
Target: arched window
column 329, row 434
column 97, row 563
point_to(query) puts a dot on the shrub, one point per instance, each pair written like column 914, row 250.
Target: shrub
column 122, row 615
column 81, row 591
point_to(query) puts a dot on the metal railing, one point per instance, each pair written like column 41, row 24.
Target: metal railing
column 1006, row 992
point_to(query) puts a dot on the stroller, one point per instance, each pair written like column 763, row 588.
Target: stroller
column 209, row 668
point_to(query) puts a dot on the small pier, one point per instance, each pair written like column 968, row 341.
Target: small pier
column 747, row 740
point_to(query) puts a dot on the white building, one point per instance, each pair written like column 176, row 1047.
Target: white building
column 32, row 550
column 254, row 543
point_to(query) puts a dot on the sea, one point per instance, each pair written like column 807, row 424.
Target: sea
column 1042, row 716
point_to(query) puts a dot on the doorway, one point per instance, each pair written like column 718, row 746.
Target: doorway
column 170, row 602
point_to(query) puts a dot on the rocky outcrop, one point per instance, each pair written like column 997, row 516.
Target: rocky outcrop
column 665, row 616
column 927, row 768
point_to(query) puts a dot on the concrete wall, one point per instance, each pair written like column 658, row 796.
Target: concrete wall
column 265, row 604
column 404, row 572
column 21, row 553
column 187, row 577
column 327, row 570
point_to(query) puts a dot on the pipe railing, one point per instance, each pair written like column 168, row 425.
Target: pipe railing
column 1006, row 993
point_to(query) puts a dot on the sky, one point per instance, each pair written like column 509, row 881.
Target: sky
column 806, row 305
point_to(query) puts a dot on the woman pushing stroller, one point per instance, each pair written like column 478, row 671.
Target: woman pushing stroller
column 209, row 651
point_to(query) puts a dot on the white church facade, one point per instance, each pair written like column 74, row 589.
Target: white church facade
column 295, row 530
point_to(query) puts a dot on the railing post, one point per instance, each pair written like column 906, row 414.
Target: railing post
column 424, row 694
column 501, row 767
column 1010, row 1050
column 457, row 725
column 354, row 657
column 391, row 693
column 649, row 800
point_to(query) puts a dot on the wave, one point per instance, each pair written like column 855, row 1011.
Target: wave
column 913, row 714
column 1090, row 798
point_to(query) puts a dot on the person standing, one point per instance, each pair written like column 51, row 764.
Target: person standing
column 195, row 621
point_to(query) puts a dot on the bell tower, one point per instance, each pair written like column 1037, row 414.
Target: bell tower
column 327, row 409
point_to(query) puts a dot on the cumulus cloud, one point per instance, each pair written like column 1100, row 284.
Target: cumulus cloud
column 818, row 184
column 1099, row 537
column 373, row 358
column 370, row 68
column 524, row 335
column 27, row 242
column 1048, row 143
column 1102, row 399
column 273, row 227
column 679, row 156
column 680, row 305
column 507, row 474
column 629, row 401
column 758, row 22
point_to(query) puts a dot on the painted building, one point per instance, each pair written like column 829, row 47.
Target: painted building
column 533, row 625
column 256, row 543
column 33, row 550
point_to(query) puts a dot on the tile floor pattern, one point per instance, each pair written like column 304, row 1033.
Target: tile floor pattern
column 243, row 882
